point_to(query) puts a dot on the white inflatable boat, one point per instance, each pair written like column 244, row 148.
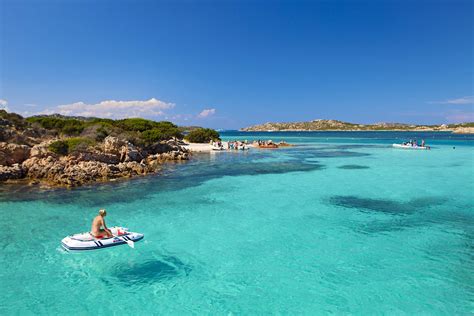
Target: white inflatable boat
column 85, row 241
column 411, row 147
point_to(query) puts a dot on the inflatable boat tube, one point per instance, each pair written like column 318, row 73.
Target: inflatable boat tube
column 85, row 241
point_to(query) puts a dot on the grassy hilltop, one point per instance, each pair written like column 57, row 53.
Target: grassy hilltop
column 90, row 130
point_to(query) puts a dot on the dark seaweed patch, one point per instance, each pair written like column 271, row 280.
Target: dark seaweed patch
column 353, row 146
column 301, row 153
column 153, row 271
column 377, row 205
column 353, row 167
column 338, row 154
column 384, row 205
column 324, row 153
column 376, row 227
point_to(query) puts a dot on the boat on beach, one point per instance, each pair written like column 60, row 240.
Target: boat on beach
column 85, row 241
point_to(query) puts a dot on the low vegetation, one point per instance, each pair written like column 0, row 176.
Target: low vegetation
column 137, row 130
column 13, row 119
column 70, row 145
column 77, row 133
column 65, row 126
column 202, row 135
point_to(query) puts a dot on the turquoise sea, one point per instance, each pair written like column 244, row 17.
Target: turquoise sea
column 341, row 223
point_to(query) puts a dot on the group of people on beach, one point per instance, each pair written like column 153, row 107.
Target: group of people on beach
column 231, row 145
column 244, row 145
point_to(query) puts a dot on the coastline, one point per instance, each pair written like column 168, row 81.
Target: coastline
column 465, row 131
column 336, row 125
column 61, row 151
column 104, row 164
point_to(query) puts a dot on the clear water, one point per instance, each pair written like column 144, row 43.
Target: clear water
column 341, row 224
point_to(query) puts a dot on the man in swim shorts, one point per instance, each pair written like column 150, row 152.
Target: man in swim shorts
column 99, row 229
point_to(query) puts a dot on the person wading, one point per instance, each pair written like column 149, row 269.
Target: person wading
column 99, row 229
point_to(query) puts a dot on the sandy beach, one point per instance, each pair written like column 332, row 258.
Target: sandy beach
column 198, row 148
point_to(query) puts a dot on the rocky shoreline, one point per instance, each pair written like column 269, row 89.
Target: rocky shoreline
column 57, row 151
column 112, row 159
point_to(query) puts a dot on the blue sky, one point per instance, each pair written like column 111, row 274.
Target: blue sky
column 229, row 64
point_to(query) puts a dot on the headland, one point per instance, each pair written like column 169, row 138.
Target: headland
column 335, row 125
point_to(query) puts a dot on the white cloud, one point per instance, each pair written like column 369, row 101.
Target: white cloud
column 113, row 109
column 463, row 100
column 206, row 113
column 3, row 104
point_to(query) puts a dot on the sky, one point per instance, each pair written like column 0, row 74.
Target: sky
column 230, row 64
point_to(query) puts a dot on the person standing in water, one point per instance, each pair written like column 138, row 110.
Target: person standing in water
column 99, row 229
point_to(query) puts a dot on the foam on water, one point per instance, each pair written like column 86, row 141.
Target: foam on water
column 301, row 230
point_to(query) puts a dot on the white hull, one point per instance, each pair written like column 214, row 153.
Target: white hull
column 85, row 241
column 410, row 147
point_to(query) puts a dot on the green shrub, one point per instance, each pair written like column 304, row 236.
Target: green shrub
column 65, row 126
column 72, row 127
column 58, row 147
column 135, row 124
column 101, row 133
column 14, row 118
column 161, row 131
column 152, row 136
column 102, row 121
column 202, row 135
column 136, row 130
column 78, row 144
column 67, row 146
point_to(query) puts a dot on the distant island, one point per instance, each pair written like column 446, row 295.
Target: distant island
column 335, row 125
column 56, row 150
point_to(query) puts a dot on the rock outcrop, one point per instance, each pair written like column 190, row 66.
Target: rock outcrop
column 123, row 149
column 113, row 159
column 11, row 154
column 11, row 172
column 72, row 151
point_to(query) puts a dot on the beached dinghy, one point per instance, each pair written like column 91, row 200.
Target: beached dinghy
column 411, row 147
column 85, row 241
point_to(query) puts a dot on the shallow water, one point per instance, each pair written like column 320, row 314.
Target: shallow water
column 342, row 223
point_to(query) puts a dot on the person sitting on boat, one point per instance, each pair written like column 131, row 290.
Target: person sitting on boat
column 99, row 229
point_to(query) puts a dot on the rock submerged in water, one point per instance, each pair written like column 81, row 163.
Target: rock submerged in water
column 112, row 159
